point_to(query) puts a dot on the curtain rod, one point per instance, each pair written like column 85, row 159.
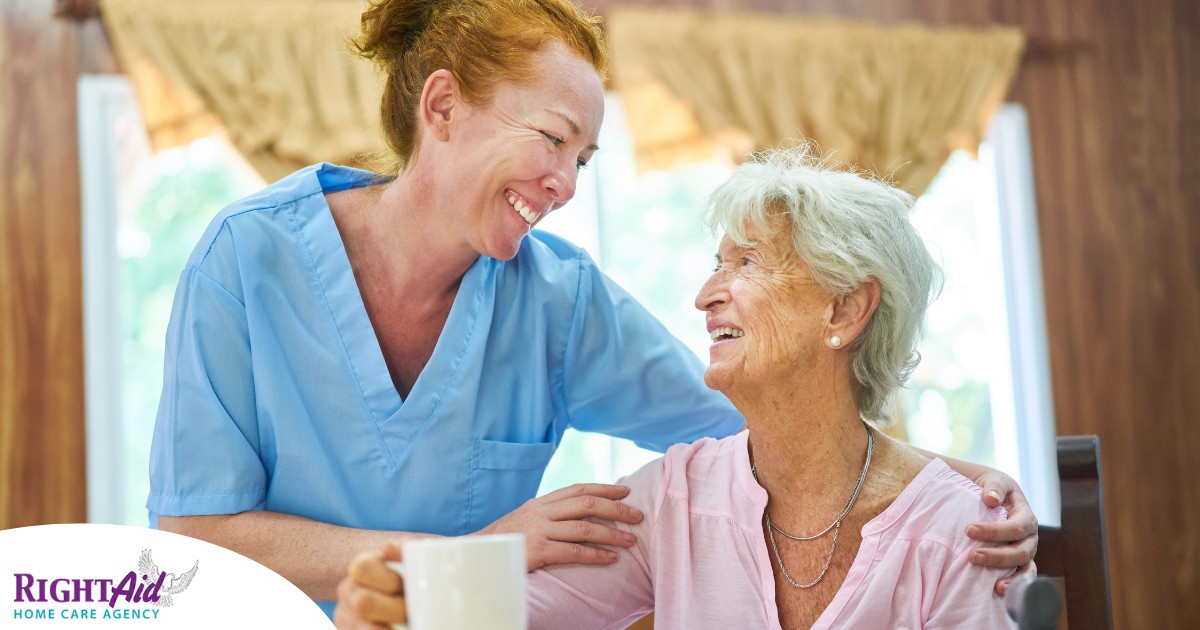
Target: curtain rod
column 1036, row 48
column 1051, row 49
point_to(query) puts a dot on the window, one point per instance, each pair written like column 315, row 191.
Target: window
column 985, row 363
column 982, row 390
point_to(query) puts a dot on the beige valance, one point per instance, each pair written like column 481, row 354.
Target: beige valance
column 896, row 100
column 278, row 75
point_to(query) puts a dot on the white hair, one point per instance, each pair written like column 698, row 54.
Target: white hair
column 848, row 228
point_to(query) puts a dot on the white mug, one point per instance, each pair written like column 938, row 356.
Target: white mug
column 464, row 583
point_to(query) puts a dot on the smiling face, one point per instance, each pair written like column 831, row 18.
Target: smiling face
column 766, row 315
column 520, row 153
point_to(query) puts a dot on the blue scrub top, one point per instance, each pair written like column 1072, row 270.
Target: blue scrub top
column 276, row 395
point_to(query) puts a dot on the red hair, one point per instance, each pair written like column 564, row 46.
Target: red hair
column 482, row 42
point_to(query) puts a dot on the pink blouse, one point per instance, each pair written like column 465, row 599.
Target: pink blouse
column 701, row 560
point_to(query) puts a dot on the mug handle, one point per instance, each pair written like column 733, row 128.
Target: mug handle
column 398, row 567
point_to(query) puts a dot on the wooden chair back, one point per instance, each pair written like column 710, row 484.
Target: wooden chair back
column 1077, row 551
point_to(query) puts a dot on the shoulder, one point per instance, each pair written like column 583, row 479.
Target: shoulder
column 549, row 257
column 937, row 507
column 704, row 461
column 544, row 245
column 709, row 476
column 305, row 188
column 546, row 265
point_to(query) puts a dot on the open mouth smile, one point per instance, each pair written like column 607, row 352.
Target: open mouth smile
column 725, row 332
column 531, row 216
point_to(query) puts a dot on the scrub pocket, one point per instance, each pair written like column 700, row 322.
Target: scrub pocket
column 503, row 476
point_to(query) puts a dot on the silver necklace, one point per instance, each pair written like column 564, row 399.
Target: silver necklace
column 836, row 525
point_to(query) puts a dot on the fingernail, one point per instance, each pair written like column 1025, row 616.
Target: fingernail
column 629, row 537
column 994, row 494
column 972, row 531
column 977, row 558
column 612, row 555
column 637, row 514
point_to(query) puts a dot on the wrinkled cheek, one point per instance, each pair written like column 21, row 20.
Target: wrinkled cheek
column 776, row 346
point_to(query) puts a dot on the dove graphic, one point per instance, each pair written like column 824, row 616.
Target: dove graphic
column 172, row 585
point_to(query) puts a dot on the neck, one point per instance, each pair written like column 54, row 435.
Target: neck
column 401, row 235
column 808, row 449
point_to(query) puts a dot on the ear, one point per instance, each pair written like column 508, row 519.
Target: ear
column 848, row 315
column 440, row 103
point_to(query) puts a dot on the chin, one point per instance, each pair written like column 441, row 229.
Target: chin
column 504, row 251
column 716, row 379
column 504, row 256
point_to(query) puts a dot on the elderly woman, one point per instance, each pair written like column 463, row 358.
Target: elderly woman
column 811, row 517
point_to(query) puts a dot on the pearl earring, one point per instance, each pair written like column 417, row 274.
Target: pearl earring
column 835, row 341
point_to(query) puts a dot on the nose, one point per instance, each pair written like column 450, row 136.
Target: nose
column 561, row 184
column 713, row 294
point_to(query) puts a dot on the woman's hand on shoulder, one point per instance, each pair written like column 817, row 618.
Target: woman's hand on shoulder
column 371, row 596
column 557, row 532
column 1018, row 532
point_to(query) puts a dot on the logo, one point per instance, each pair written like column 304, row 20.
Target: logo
column 81, row 575
column 167, row 583
column 146, row 585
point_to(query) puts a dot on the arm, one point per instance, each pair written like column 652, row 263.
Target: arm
column 564, row 597
column 625, row 375
column 310, row 554
column 371, row 596
column 611, row 597
column 560, row 597
column 963, row 597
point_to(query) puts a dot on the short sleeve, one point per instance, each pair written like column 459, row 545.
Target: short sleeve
column 204, row 453
column 966, row 596
column 627, row 376
column 575, row 596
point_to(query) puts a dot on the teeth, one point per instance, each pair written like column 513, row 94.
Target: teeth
column 726, row 331
column 529, row 215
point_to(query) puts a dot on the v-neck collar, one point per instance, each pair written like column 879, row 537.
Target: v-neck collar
column 860, row 566
column 398, row 420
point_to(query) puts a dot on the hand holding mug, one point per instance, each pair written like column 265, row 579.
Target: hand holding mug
column 437, row 584
column 371, row 596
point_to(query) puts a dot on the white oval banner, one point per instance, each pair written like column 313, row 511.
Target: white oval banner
column 115, row 576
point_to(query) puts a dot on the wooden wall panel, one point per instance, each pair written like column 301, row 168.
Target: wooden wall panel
column 1117, row 199
column 1113, row 97
column 41, row 349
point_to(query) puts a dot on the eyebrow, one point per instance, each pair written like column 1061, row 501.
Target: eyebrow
column 572, row 124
